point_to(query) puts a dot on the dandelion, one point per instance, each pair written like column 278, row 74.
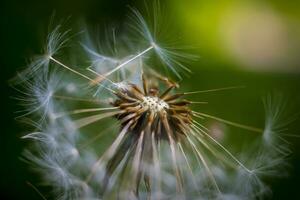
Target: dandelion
column 159, row 147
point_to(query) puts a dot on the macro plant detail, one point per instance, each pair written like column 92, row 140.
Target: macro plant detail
column 159, row 146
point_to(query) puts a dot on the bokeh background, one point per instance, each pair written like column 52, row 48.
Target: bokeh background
column 251, row 43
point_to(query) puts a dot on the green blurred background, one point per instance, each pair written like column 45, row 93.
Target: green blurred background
column 250, row 43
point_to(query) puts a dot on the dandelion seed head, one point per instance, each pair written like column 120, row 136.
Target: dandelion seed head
column 128, row 132
column 145, row 107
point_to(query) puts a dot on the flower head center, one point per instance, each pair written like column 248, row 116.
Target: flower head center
column 154, row 104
